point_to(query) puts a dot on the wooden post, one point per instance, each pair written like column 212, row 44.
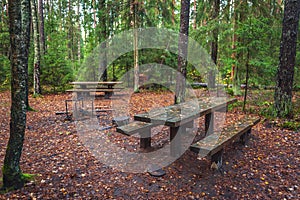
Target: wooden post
column 145, row 140
column 209, row 123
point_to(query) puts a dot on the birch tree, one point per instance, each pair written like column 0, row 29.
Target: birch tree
column 19, row 22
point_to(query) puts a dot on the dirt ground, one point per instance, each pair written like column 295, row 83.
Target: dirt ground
column 267, row 167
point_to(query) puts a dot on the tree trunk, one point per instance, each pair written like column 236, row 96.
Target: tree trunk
column 136, row 61
column 247, row 79
column 285, row 73
column 182, row 51
column 71, row 29
column 41, row 27
column 103, row 37
column 135, row 46
column 235, row 66
column 79, row 33
column 214, row 43
column 173, row 12
column 19, row 22
column 195, row 15
column 37, row 53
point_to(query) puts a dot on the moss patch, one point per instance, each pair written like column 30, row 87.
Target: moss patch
column 24, row 177
column 28, row 177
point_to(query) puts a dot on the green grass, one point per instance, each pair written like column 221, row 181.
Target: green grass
column 262, row 102
column 30, row 109
column 291, row 125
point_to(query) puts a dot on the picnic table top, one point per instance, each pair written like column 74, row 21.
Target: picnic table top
column 95, row 82
column 176, row 115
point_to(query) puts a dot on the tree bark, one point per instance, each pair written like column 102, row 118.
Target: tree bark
column 287, row 57
column 79, row 33
column 103, row 37
column 135, row 46
column 214, row 43
column 235, row 67
column 37, row 53
column 41, row 27
column 19, row 21
column 182, row 52
column 173, row 12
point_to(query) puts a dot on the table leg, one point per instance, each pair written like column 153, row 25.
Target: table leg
column 108, row 94
column 209, row 123
column 145, row 140
column 176, row 143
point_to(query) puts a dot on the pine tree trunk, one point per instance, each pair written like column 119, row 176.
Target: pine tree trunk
column 103, row 37
column 135, row 46
column 136, row 61
column 37, row 53
column 70, row 31
column 195, row 16
column 287, row 57
column 214, row 44
column 182, row 51
column 79, row 33
column 235, row 65
column 19, row 36
column 41, row 27
column 173, row 12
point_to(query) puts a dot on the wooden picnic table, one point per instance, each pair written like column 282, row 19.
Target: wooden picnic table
column 83, row 84
column 180, row 116
column 83, row 88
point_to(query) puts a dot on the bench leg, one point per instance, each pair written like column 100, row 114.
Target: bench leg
column 217, row 158
column 175, row 144
column 245, row 137
column 209, row 123
column 68, row 117
column 145, row 140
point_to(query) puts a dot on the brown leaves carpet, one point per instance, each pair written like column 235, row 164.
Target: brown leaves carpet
column 268, row 167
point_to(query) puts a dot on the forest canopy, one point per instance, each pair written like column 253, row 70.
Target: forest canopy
column 69, row 31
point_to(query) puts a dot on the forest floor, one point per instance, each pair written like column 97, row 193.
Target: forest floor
column 267, row 167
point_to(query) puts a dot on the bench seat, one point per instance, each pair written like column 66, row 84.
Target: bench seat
column 213, row 144
column 143, row 128
column 95, row 90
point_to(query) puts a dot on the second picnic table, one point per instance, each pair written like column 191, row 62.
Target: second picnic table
column 84, row 88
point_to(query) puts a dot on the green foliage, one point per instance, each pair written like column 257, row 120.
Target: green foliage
column 5, row 73
column 238, row 104
column 258, row 38
column 292, row 125
column 58, row 71
column 230, row 91
column 268, row 111
column 72, row 37
column 4, row 51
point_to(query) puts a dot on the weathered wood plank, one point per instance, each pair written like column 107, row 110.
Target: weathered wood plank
column 134, row 127
column 94, row 90
column 216, row 141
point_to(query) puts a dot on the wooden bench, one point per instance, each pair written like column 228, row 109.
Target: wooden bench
column 213, row 144
column 143, row 128
column 86, row 91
